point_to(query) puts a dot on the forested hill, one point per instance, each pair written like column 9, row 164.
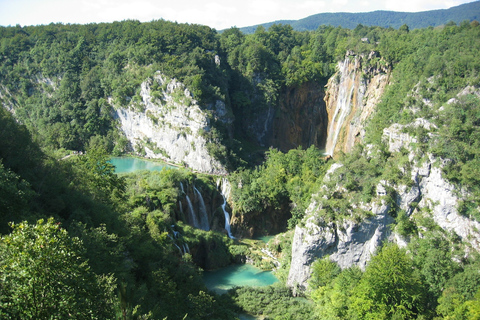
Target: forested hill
column 469, row 11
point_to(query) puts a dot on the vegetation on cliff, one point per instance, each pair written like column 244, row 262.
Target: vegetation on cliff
column 122, row 238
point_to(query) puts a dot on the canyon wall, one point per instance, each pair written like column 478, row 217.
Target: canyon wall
column 168, row 123
column 351, row 96
column 300, row 118
column 350, row 242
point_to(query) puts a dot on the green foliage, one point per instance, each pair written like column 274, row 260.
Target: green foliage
column 60, row 77
column 98, row 176
column 389, row 288
column 355, row 181
column 323, row 271
column 453, row 305
column 45, row 276
column 458, row 141
column 426, row 60
column 15, row 194
column 332, row 300
column 283, row 178
column 59, row 80
column 434, row 258
column 405, row 226
column 275, row 302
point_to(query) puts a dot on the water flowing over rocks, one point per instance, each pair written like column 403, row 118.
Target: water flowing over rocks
column 225, row 190
column 169, row 124
column 352, row 94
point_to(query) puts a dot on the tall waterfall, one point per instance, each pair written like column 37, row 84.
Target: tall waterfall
column 343, row 105
column 224, row 187
column 204, row 225
column 191, row 212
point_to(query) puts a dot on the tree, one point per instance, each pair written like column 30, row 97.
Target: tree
column 389, row 287
column 98, row 177
column 44, row 276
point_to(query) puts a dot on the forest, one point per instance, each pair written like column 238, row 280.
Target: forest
column 79, row 241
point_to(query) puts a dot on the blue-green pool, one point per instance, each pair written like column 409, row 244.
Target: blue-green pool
column 129, row 164
column 224, row 279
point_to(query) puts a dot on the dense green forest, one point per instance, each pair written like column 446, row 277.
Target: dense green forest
column 80, row 241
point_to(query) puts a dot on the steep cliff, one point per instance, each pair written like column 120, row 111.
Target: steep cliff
column 168, row 123
column 351, row 96
column 352, row 241
column 296, row 117
column 300, row 118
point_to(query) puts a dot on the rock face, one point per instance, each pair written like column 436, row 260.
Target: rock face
column 434, row 192
column 348, row 243
column 351, row 96
column 168, row 123
column 300, row 119
column 352, row 243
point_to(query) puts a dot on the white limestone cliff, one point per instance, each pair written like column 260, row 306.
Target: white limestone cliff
column 169, row 124
column 351, row 243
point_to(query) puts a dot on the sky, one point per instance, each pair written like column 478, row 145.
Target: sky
column 218, row 14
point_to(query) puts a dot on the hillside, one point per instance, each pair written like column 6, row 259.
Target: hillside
column 360, row 157
column 414, row 20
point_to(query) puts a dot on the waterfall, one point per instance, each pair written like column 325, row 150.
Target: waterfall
column 191, row 212
column 204, row 225
column 343, row 106
column 176, row 245
column 181, row 186
column 224, row 191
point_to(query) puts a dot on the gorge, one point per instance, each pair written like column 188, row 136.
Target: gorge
column 354, row 150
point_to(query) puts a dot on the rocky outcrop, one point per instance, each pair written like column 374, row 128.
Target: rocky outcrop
column 351, row 243
column 351, row 96
column 167, row 123
column 348, row 243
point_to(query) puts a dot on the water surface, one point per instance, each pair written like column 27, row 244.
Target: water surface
column 129, row 164
column 224, row 279
column 265, row 239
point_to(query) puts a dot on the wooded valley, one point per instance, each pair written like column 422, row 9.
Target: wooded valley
column 80, row 241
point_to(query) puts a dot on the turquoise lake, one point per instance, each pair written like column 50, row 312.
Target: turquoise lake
column 129, row 164
column 226, row 278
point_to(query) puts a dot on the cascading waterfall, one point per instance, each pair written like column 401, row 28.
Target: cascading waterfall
column 176, row 245
column 224, row 187
column 342, row 109
column 204, row 225
column 193, row 216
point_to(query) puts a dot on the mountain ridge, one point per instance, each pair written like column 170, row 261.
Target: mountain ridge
column 382, row 18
